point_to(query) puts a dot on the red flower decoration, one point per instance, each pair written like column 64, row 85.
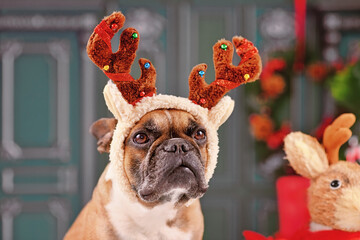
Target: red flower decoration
column 273, row 86
column 275, row 64
column 318, row 71
column 338, row 65
column 276, row 139
column 261, row 126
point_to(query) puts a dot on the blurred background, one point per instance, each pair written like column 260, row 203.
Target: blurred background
column 51, row 93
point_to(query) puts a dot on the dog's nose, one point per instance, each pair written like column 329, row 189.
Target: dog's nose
column 177, row 145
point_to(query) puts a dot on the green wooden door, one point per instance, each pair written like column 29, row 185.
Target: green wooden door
column 45, row 82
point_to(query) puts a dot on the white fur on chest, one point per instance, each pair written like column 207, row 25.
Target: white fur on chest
column 132, row 221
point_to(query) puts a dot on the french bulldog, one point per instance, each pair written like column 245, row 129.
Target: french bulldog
column 163, row 148
column 165, row 162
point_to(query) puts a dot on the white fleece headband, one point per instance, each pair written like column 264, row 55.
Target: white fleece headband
column 128, row 115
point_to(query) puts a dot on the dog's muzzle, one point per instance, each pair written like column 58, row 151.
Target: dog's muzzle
column 175, row 164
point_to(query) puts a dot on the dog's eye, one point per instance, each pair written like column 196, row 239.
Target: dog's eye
column 199, row 135
column 335, row 184
column 141, row 138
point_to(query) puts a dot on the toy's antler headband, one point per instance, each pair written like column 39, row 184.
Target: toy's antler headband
column 117, row 65
column 336, row 134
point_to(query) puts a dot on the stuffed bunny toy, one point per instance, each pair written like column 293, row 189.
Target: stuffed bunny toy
column 334, row 192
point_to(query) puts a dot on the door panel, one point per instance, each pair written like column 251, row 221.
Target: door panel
column 35, row 71
column 35, row 137
column 43, row 139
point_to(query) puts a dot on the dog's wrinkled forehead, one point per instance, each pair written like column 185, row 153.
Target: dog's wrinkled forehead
column 167, row 120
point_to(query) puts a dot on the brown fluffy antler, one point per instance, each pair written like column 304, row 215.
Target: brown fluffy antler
column 336, row 134
column 227, row 76
column 117, row 65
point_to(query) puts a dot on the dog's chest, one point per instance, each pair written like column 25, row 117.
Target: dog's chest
column 135, row 222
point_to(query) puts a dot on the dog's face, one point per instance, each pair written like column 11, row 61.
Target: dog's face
column 166, row 157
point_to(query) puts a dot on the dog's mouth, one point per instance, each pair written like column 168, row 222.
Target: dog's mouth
column 184, row 169
column 187, row 175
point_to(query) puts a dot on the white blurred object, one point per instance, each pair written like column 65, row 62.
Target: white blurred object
column 352, row 153
column 272, row 164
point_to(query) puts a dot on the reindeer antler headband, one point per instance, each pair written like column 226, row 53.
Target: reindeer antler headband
column 130, row 99
column 117, row 65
